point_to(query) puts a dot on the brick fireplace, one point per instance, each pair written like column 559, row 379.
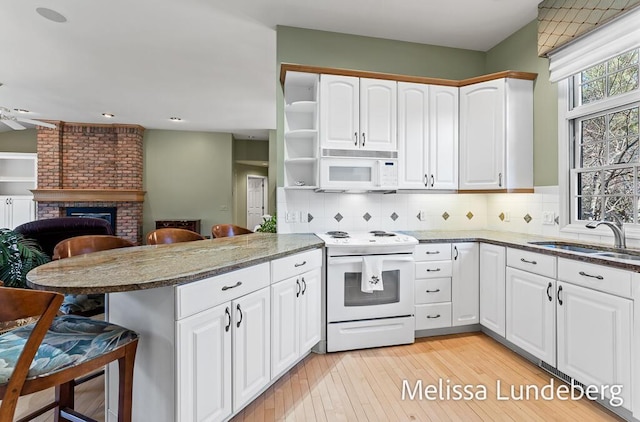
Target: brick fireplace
column 91, row 165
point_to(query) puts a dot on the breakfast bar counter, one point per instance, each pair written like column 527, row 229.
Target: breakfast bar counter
column 146, row 267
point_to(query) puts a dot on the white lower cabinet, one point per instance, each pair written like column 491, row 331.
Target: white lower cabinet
column 465, row 288
column 295, row 319
column 530, row 317
column 594, row 337
column 492, row 287
column 221, row 351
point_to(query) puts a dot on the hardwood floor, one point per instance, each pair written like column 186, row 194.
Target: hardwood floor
column 367, row 385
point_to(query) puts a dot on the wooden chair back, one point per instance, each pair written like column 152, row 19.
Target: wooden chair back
column 81, row 245
column 171, row 235
column 18, row 304
column 228, row 230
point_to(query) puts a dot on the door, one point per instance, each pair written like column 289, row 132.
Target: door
column 492, row 287
column 284, row 322
column 256, row 188
column 251, row 345
column 413, row 135
column 482, row 135
column 443, row 142
column 531, row 316
column 339, row 112
column 309, row 310
column 347, row 302
column 465, row 296
column 594, row 337
column 22, row 210
column 378, row 114
column 203, row 362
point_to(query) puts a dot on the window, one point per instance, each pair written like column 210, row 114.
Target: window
column 604, row 104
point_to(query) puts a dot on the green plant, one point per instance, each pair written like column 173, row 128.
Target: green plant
column 18, row 256
column 269, row 225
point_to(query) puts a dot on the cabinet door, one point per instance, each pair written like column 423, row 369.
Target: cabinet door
column 443, row 139
column 251, row 346
column 413, row 135
column 594, row 337
column 465, row 295
column 531, row 321
column 378, row 114
column 203, row 361
column 309, row 316
column 284, row 315
column 339, row 112
column 482, row 135
column 22, row 210
column 492, row 287
column 5, row 211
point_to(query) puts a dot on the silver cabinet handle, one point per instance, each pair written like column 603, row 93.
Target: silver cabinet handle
column 238, row 284
column 433, row 291
column 240, row 320
column 363, row 139
column 549, row 292
column 432, row 252
column 559, row 298
column 599, row 277
column 228, row 314
column 426, row 181
column 300, row 265
column 528, row 262
column 429, row 270
column 500, row 179
column 304, row 286
column 455, row 248
column 299, row 288
column 432, row 180
column 355, row 135
column 433, row 317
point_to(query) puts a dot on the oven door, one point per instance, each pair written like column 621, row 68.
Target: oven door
column 347, row 302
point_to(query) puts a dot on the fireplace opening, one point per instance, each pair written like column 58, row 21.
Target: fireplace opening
column 105, row 213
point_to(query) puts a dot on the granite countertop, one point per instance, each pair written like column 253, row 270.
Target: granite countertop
column 522, row 241
column 146, row 267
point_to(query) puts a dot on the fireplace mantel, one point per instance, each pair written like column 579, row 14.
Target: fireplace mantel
column 88, row 195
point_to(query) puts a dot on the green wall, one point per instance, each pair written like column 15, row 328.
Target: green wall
column 18, row 141
column 245, row 149
column 519, row 52
column 187, row 175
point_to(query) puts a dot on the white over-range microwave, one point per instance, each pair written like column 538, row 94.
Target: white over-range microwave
column 358, row 174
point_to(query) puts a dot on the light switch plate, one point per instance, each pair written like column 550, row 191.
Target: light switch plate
column 423, row 215
column 291, row 217
column 548, row 218
column 507, row 216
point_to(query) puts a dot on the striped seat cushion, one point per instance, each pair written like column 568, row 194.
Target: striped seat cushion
column 71, row 340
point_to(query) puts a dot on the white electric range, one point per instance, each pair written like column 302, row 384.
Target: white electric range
column 357, row 319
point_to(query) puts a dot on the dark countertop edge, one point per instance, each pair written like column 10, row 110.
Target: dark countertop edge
column 576, row 256
column 177, row 281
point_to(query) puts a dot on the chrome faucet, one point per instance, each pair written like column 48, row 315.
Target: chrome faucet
column 618, row 231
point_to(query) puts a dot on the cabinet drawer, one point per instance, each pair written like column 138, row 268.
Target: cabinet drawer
column 433, row 290
column 598, row 277
column 433, row 269
column 437, row 315
column 293, row 265
column 204, row 294
column 432, row 252
column 536, row 263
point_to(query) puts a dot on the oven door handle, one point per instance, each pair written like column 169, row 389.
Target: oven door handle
column 358, row 260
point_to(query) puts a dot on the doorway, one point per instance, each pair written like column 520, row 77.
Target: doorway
column 257, row 188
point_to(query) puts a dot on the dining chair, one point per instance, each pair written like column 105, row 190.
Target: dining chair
column 172, row 235
column 54, row 351
column 228, row 230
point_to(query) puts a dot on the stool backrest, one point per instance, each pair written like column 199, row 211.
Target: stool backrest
column 81, row 245
column 171, row 235
column 228, row 230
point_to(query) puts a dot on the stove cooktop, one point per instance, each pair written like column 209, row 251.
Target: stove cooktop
column 376, row 238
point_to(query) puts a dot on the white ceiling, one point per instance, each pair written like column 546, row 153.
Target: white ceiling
column 210, row 62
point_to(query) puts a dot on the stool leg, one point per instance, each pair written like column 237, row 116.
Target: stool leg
column 65, row 398
column 125, row 381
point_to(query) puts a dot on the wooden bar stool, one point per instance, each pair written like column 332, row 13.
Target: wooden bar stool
column 64, row 348
column 228, row 230
column 81, row 245
column 171, row 235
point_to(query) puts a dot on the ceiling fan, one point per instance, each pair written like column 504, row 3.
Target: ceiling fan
column 14, row 122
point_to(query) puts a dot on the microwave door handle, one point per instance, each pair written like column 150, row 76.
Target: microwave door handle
column 378, row 170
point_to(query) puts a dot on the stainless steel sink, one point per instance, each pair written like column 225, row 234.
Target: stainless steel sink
column 594, row 251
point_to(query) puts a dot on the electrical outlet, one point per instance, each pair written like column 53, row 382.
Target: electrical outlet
column 548, row 218
column 423, row 215
column 291, row 217
column 507, row 216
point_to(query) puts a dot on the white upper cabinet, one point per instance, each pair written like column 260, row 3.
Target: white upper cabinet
column 357, row 113
column 427, row 136
column 496, row 135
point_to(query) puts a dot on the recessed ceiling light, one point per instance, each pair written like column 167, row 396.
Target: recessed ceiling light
column 175, row 119
column 51, row 15
column 20, row 110
column 108, row 115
